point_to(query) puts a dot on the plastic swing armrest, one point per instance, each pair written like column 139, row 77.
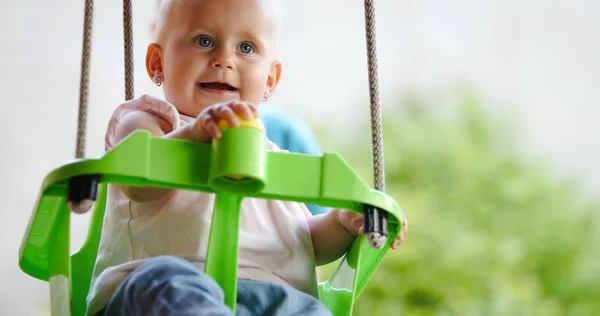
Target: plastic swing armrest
column 140, row 159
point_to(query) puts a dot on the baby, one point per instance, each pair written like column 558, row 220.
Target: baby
column 215, row 60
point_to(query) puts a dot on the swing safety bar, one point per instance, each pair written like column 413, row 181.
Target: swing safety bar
column 237, row 165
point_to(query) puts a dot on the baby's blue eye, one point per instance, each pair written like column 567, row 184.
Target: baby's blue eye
column 204, row 41
column 246, row 48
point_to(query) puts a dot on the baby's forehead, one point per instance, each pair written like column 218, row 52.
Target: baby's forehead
column 250, row 14
column 171, row 8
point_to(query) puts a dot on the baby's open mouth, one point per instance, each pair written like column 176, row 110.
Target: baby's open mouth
column 217, row 86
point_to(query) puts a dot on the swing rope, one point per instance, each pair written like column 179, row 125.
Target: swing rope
column 128, row 50
column 85, row 67
column 375, row 107
column 84, row 78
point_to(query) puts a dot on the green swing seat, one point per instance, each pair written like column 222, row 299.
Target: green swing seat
column 236, row 166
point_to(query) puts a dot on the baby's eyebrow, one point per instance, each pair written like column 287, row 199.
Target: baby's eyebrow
column 253, row 38
column 208, row 27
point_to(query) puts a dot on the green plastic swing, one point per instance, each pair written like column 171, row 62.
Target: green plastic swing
column 140, row 160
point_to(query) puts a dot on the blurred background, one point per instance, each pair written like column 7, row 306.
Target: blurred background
column 490, row 130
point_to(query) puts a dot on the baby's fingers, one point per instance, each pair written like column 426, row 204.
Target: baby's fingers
column 245, row 110
column 402, row 235
column 209, row 125
column 226, row 113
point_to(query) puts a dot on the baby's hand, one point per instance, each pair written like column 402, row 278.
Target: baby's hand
column 354, row 223
column 206, row 126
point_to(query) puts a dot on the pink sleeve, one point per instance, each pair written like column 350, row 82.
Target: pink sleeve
column 146, row 103
column 273, row 147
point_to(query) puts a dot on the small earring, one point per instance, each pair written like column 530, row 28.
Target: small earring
column 266, row 96
column 157, row 78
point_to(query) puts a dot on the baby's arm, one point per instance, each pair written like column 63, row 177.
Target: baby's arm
column 332, row 233
column 158, row 127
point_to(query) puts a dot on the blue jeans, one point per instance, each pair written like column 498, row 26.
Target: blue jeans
column 171, row 286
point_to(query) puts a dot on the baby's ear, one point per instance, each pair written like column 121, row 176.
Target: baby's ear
column 274, row 76
column 153, row 60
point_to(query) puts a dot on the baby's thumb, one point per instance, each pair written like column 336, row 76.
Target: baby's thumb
column 361, row 230
column 357, row 225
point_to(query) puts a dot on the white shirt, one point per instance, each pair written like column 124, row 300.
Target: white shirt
column 274, row 242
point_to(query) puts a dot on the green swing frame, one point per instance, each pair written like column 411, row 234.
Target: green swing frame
column 140, row 160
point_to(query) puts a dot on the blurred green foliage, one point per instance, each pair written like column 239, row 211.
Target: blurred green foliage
column 491, row 231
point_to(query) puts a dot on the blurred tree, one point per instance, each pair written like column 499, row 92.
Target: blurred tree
column 491, row 232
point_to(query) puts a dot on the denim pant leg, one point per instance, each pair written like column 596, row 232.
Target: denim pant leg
column 270, row 299
column 168, row 286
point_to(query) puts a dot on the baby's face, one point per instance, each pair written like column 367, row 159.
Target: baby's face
column 216, row 50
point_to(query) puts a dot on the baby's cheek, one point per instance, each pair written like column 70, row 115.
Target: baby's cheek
column 255, row 84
